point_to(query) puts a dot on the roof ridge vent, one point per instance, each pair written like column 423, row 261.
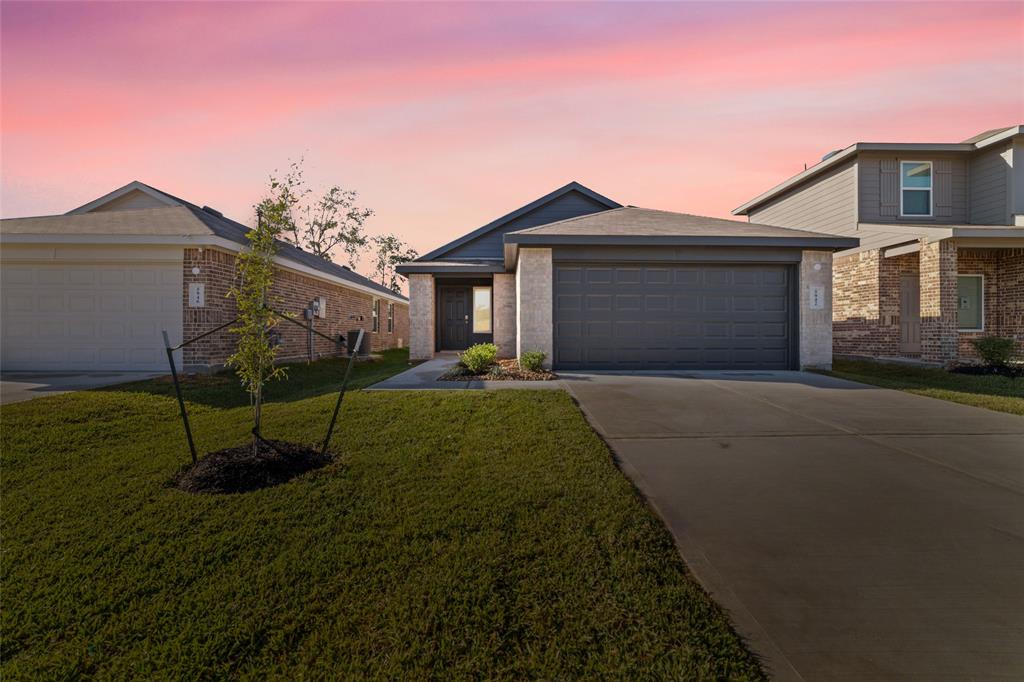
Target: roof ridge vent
column 831, row 154
column 213, row 211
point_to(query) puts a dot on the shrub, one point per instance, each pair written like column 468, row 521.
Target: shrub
column 532, row 361
column 496, row 370
column 996, row 351
column 479, row 357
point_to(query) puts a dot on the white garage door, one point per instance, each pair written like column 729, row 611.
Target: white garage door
column 89, row 316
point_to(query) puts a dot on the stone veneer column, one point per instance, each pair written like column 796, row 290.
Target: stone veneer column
column 504, row 293
column 939, row 335
column 534, row 302
column 421, row 317
column 816, row 325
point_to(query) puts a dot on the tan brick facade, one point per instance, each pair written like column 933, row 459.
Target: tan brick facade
column 816, row 323
column 421, row 317
column 347, row 309
column 866, row 313
column 1003, row 270
column 534, row 284
column 938, row 301
column 505, row 314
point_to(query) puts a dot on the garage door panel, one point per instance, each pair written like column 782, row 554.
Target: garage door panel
column 687, row 275
column 46, row 277
column 50, row 303
column 88, row 316
column 81, row 276
column 628, row 276
column 14, row 274
column 673, row 316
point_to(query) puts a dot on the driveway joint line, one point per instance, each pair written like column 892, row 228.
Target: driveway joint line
column 884, row 445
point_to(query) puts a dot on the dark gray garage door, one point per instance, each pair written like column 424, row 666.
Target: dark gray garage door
column 673, row 316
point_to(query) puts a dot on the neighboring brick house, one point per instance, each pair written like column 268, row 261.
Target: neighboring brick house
column 941, row 255
column 93, row 289
column 597, row 285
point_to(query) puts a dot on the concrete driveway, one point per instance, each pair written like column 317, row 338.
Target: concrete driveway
column 16, row 387
column 852, row 532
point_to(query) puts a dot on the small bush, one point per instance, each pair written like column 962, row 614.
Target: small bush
column 496, row 370
column 995, row 351
column 479, row 357
column 459, row 370
column 532, row 361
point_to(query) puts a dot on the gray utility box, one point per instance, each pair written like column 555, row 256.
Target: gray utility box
column 350, row 342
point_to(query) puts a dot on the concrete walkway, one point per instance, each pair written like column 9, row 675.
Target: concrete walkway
column 852, row 532
column 423, row 377
column 16, row 387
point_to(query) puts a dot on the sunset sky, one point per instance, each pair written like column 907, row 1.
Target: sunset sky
column 445, row 116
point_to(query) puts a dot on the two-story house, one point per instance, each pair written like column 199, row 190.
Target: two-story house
column 941, row 254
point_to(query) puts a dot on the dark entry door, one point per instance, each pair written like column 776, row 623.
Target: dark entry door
column 454, row 318
column 674, row 316
column 910, row 314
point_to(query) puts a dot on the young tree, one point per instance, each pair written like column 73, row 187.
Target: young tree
column 390, row 251
column 254, row 357
column 319, row 225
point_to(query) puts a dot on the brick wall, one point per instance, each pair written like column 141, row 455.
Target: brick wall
column 816, row 324
column 534, row 276
column 939, row 336
column 292, row 292
column 421, row 317
column 1011, row 290
column 505, row 314
column 855, row 309
column 1003, row 270
column 866, row 310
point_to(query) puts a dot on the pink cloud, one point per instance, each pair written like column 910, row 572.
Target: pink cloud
column 446, row 115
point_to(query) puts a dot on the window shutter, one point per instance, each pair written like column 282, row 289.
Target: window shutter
column 889, row 188
column 943, row 188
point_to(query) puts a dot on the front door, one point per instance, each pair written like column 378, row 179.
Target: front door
column 910, row 314
column 454, row 318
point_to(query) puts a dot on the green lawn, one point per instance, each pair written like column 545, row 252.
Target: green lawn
column 992, row 392
column 459, row 534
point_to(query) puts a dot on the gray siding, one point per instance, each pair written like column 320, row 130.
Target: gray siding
column 491, row 245
column 990, row 185
column 826, row 204
column 1017, row 184
column 879, row 187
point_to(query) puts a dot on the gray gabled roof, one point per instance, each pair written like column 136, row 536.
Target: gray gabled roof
column 632, row 225
column 521, row 211
column 179, row 218
column 237, row 232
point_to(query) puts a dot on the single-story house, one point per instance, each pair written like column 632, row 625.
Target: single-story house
column 94, row 288
column 940, row 262
column 598, row 285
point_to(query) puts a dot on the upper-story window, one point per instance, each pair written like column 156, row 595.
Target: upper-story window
column 916, row 188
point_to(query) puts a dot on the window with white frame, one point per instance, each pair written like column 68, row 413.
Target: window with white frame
column 376, row 315
column 391, row 318
column 481, row 310
column 916, row 188
column 970, row 303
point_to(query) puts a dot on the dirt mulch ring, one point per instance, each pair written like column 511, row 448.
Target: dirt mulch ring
column 1011, row 371
column 510, row 371
column 237, row 470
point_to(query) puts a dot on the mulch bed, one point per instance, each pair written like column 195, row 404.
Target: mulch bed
column 1012, row 371
column 237, row 470
column 510, row 371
